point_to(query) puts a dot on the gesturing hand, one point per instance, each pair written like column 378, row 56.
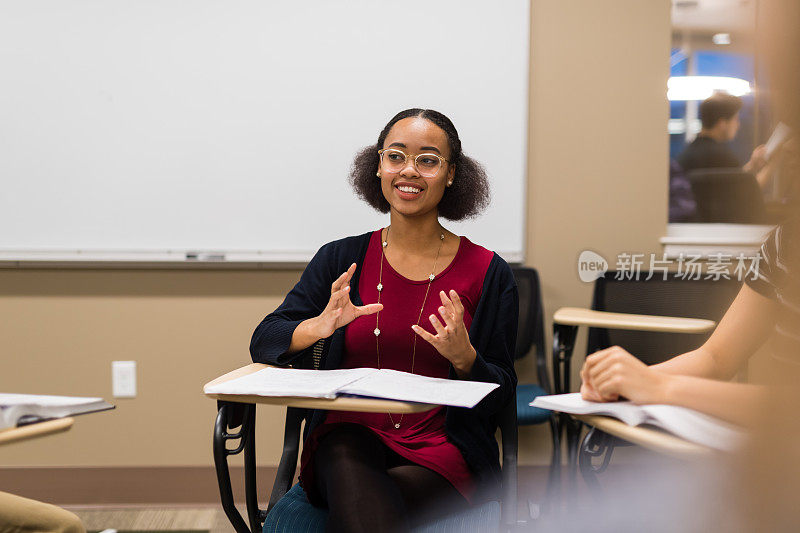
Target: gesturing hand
column 340, row 310
column 613, row 372
column 452, row 339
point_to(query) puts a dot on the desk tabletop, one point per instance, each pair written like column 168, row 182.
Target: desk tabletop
column 369, row 405
column 32, row 431
column 575, row 316
column 651, row 438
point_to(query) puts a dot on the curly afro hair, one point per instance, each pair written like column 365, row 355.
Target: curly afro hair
column 467, row 197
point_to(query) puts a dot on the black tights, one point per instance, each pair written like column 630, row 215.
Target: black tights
column 370, row 488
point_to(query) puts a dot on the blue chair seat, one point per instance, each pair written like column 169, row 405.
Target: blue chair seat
column 294, row 513
column 527, row 415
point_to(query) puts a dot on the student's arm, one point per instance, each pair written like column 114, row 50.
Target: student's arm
column 743, row 329
column 691, row 379
column 757, row 160
column 615, row 373
column 339, row 312
column 315, row 307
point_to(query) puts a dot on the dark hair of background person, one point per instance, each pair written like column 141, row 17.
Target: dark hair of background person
column 719, row 106
column 467, row 197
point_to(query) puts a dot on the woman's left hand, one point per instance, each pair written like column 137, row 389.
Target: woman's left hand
column 451, row 339
column 613, row 373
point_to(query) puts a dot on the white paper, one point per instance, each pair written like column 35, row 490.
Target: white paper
column 8, row 399
column 13, row 407
column 686, row 423
column 396, row 385
column 778, row 137
column 573, row 403
column 695, row 426
column 372, row 382
column 273, row 381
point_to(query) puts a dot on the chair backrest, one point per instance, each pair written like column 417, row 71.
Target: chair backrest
column 530, row 329
column 689, row 298
column 727, row 195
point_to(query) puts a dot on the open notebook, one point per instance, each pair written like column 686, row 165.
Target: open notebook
column 685, row 423
column 370, row 382
column 19, row 409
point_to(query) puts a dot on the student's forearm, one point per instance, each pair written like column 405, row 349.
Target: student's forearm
column 305, row 334
column 739, row 403
column 698, row 363
column 763, row 176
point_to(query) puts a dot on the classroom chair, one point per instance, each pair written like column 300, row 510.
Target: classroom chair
column 727, row 195
column 671, row 297
column 530, row 334
column 289, row 510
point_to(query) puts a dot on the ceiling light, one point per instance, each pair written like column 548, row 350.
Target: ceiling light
column 701, row 87
column 721, row 38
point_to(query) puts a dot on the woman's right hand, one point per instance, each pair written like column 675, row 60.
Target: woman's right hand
column 340, row 310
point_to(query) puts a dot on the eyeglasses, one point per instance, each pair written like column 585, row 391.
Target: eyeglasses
column 394, row 160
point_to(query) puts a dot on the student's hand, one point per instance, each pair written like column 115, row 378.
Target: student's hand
column 757, row 160
column 613, row 373
column 587, row 391
column 451, row 339
column 340, row 310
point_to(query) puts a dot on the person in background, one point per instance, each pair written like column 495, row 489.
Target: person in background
column 719, row 116
column 682, row 205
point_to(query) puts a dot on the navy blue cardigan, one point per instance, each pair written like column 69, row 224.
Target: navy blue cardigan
column 493, row 334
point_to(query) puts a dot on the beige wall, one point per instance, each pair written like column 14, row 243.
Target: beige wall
column 597, row 179
column 598, row 146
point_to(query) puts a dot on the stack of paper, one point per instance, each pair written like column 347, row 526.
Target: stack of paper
column 370, row 382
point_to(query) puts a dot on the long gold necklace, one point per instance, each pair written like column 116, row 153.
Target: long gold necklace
column 377, row 331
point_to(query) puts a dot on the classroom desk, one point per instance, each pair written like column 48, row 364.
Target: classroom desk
column 566, row 322
column 32, row 431
column 598, row 442
column 234, row 410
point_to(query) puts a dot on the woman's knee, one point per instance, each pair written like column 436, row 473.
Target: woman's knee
column 348, row 443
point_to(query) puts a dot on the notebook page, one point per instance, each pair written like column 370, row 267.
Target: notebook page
column 695, row 426
column 628, row 412
column 779, row 135
column 396, row 385
column 273, row 381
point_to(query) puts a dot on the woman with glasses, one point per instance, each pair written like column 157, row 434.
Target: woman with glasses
column 411, row 296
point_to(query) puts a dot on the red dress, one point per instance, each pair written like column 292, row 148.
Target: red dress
column 421, row 437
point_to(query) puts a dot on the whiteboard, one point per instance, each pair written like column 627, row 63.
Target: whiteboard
column 145, row 130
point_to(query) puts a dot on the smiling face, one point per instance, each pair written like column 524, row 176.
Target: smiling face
column 407, row 192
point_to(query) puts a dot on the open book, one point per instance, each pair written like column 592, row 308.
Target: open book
column 685, row 423
column 20, row 409
column 370, row 382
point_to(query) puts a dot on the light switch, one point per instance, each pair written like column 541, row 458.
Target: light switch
column 123, row 379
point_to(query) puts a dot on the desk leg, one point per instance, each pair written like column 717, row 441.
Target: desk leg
column 563, row 345
column 231, row 414
column 596, row 443
column 573, row 444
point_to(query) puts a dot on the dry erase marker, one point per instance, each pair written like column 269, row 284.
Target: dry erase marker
column 200, row 256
